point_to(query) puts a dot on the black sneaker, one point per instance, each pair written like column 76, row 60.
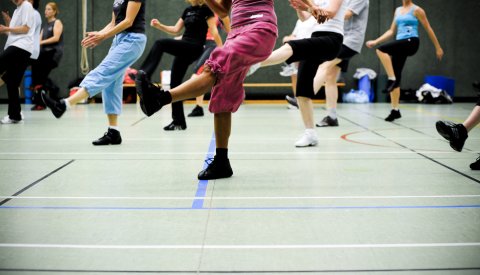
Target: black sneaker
column 175, row 126
column 217, row 169
column 391, row 85
column 475, row 165
column 394, row 114
column 292, row 101
column 328, row 121
column 197, row 111
column 111, row 137
column 58, row 107
column 455, row 133
column 149, row 94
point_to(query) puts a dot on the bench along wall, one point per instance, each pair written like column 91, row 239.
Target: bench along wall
column 455, row 23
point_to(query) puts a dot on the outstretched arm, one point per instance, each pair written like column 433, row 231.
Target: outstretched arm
column 387, row 35
column 422, row 17
column 173, row 30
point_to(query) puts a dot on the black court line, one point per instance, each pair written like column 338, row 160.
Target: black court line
column 138, row 121
column 412, row 150
column 35, row 182
column 241, row 271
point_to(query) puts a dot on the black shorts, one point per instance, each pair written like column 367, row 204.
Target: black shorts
column 311, row 52
column 345, row 55
column 399, row 50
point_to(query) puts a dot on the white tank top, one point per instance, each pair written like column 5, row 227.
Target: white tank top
column 335, row 24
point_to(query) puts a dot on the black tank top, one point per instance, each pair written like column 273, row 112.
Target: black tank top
column 57, row 47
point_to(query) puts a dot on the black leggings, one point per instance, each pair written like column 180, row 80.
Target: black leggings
column 41, row 68
column 311, row 52
column 399, row 50
column 185, row 53
column 13, row 62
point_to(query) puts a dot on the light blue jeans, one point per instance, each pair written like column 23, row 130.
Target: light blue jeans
column 108, row 76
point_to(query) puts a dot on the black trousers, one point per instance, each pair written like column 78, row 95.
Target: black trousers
column 185, row 53
column 41, row 69
column 13, row 62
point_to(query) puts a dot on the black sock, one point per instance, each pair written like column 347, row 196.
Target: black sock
column 221, row 153
column 165, row 97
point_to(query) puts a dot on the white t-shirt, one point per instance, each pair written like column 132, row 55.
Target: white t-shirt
column 36, row 36
column 335, row 24
column 303, row 29
column 24, row 15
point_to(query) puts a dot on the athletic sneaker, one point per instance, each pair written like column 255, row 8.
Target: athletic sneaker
column 289, row 70
column 328, row 122
column 217, row 169
column 58, row 107
column 152, row 98
column 292, row 101
column 175, row 126
column 394, row 114
column 253, row 69
column 7, row 120
column 475, row 165
column 307, row 139
column 455, row 133
column 197, row 111
column 112, row 136
column 38, row 108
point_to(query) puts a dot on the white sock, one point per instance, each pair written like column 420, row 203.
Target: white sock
column 67, row 103
column 392, row 78
column 310, row 131
column 332, row 113
column 114, row 128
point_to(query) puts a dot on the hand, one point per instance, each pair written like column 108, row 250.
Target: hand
column 92, row 39
column 439, row 52
column 299, row 5
column 154, row 22
column 321, row 15
column 3, row 29
column 6, row 16
column 371, row 43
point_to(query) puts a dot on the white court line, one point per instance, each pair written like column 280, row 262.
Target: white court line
column 240, row 153
column 238, row 247
column 242, row 198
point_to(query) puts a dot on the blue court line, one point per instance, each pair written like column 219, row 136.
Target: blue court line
column 292, row 208
column 203, row 184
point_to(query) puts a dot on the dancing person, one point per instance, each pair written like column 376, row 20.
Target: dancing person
column 51, row 52
column 128, row 28
column 15, row 58
column 393, row 55
column 196, row 19
column 251, row 40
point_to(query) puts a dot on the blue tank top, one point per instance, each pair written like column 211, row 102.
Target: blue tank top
column 407, row 24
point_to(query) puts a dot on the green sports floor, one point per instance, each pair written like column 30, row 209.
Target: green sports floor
column 372, row 197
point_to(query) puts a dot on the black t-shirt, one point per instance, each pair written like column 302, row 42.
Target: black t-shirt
column 195, row 21
column 120, row 11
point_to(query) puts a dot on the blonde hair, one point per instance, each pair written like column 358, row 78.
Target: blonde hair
column 54, row 7
column 196, row 2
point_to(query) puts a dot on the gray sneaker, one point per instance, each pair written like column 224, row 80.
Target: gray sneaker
column 328, row 122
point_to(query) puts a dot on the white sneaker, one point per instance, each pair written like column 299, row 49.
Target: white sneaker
column 309, row 138
column 7, row 120
column 253, row 69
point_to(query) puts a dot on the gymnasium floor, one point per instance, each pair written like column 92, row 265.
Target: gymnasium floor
column 372, row 197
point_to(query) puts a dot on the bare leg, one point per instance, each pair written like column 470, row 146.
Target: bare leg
column 395, row 98
column 473, row 119
column 331, row 88
column 294, row 84
column 278, row 56
column 223, row 128
column 112, row 120
column 79, row 96
column 321, row 75
column 195, row 86
column 386, row 62
column 198, row 99
column 305, row 105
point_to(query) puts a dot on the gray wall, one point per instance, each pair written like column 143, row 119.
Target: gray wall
column 455, row 23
